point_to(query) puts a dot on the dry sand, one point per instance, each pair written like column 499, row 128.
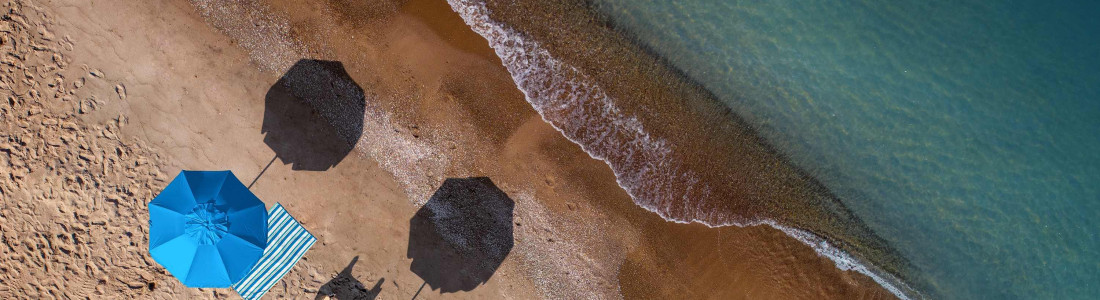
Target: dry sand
column 105, row 101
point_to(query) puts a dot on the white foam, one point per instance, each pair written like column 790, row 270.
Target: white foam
column 843, row 260
column 644, row 165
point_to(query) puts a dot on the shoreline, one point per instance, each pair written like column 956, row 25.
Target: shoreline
column 844, row 260
column 883, row 255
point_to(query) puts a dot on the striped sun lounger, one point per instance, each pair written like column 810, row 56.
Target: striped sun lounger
column 287, row 241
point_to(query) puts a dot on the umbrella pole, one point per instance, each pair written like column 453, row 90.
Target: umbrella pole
column 262, row 171
column 421, row 289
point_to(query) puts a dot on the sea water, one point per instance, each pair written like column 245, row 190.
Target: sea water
column 966, row 133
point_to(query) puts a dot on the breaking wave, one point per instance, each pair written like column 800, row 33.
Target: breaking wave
column 644, row 165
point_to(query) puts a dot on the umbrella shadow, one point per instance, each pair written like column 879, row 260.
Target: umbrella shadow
column 459, row 238
column 313, row 116
column 345, row 287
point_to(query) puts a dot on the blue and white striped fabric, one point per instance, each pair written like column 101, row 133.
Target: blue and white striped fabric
column 287, row 241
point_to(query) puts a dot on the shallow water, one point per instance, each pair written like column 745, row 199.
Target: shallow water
column 962, row 132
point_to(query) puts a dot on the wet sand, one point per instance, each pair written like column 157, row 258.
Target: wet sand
column 440, row 105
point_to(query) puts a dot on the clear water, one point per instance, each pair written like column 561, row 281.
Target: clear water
column 965, row 132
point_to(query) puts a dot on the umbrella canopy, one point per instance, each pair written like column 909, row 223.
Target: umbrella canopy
column 207, row 229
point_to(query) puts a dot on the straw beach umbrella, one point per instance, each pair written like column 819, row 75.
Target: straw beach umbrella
column 459, row 238
column 207, row 229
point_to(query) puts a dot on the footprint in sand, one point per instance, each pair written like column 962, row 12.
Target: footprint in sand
column 121, row 90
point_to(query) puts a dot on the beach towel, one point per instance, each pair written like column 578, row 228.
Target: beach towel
column 287, row 241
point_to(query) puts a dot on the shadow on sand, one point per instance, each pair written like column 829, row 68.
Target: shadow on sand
column 461, row 235
column 313, row 116
column 345, row 287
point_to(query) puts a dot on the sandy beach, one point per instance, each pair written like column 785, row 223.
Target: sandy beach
column 104, row 102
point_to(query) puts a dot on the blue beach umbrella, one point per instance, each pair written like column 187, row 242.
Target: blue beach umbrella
column 207, row 229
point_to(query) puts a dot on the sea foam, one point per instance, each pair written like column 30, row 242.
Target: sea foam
column 644, row 165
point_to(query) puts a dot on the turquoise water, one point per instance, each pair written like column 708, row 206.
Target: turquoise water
column 967, row 133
